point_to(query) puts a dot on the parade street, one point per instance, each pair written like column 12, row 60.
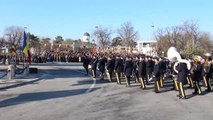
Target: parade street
column 65, row 93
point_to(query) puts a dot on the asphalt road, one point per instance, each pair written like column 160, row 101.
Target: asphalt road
column 66, row 93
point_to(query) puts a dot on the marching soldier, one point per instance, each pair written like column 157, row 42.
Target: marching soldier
column 207, row 74
column 135, row 68
column 211, row 68
column 142, row 71
column 174, row 77
column 189, row 77
column 101, row 67
column 118, row 69
column 110, row 67
column 182, row 78
column 149, row 65
column 86, row 62
column 197, row 75
column 156, row 75
column 93, row 64
column 128, row 67
column 162, row 66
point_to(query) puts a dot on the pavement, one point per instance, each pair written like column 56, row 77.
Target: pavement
column 65, row 93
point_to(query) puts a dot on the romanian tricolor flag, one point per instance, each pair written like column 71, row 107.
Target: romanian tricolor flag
column 26, row 47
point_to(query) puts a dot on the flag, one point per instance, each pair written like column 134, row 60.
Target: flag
column 13, row 49
column 24, row 41
column 26, row 47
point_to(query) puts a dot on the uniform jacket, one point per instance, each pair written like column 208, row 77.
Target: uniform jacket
column 86, row 62
column 111, row 65
column 197, row 72
column 182, row 72
column 156, row 72
column 149, row 65
column 119, row 65
column 101, row 64
column 142, row 68
column 128, row 67
column 94, row 63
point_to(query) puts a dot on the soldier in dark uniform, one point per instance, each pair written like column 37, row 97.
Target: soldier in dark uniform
column 162, row 65
column 93, row 63
column 128, row 67
column 148, row 69
column 189, row 77
column 86, row 62
column 197, row 76
column 135, row 69
column 207, row 74
column 211, row 69
column 182, row 78
column 174, row 77
column 156, row 75
column 142, row 71
column 101, row 66
column 110, row 67
column 118, row 69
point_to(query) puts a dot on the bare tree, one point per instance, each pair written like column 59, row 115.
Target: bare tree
column 186, row 38
column 103, row 36
column 191, row 31
column 2, row 42
column 128, row 34
column 205, row 41
column 14, row 35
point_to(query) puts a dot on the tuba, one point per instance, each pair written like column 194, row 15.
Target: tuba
column 174, row 56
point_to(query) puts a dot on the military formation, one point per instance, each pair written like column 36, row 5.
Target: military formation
column 149, row 70
column 140, row 68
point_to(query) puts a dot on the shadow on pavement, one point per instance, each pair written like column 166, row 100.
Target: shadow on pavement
column 86, row 82
column 64, row 73
column 29, row 97
column 20, row 84
column 190, row 96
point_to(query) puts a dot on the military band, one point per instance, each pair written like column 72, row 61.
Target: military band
column 149, row 71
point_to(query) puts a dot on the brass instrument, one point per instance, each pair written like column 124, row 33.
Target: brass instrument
column 174, row 56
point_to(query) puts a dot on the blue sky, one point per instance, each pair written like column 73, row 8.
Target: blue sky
column 71, row 18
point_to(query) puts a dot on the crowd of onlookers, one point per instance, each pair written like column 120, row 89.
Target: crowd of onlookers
column 49, row 56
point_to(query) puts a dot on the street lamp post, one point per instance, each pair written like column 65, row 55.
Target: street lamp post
column 152, row 26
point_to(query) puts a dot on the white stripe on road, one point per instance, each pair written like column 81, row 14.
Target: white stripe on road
column 93, row 84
